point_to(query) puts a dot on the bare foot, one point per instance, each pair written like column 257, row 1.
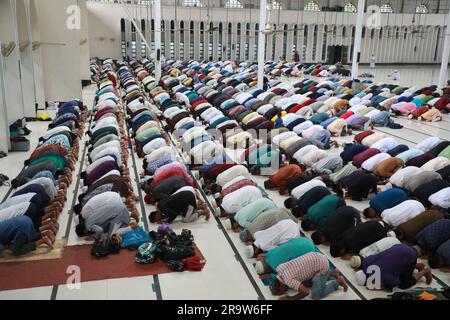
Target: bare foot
column 342, row 283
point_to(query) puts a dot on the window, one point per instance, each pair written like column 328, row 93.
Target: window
column 211, row 42
column 123, row 38
column 273, row 5
column 305, row 42
column 172, row 39
column 386, row 8
column 146, row 2
column 163, row 38
column 229, row 41
column 238, row 42
column 285, row 38
column 255, row 43
column 192, row 3
column 143, row 46
column 191, row 40
column 247, row 45
column 314, row 48
column 422, row 9
column 233, row 4
column 152, row 26
column 295, row 38
column 220, row 44
column 350, row 7
column 202, row 41
column 133, row 41
column 311, row 6
column 181, row 40
column 274, row 42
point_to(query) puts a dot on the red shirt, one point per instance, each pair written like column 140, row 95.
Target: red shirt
column 360, row 136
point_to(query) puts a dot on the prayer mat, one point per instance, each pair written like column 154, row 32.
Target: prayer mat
column 39, row 273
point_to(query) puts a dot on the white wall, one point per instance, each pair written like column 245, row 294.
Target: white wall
column 26, row 59
column 37, row 57
column 11, row 78
column 105, row 37
column 84, row 43
column 61, row 63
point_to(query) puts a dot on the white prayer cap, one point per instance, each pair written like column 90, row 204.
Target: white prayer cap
column 360, row 278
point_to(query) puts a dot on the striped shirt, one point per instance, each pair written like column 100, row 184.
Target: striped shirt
column 303, row 268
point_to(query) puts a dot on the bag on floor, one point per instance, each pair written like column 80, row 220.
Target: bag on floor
column 194, row 263
column 146, row 253
column 133, row 239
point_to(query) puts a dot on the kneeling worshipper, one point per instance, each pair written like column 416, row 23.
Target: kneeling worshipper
column 272, row 237
column 309, row 199
column 402, row 213
column 384, row 200
column 331, row 229
column 425, row 191
column 386, row 168
column 185, row 202
column 432, row 236
column 441, row 199
column 374, row 248
column 311, row 266
column 238, row 199
column 441, row 258
column 357, row 238
column 286, row 252
column 247, row 214
column 357, row 185
column 320, row 211
column 105, row 214
column 397, row 265
column 280, row 178
column 408, row 230
column 264, row 221
column 300, row 190
column 21, row 236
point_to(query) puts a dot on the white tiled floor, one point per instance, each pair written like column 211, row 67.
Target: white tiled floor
column 223, row 276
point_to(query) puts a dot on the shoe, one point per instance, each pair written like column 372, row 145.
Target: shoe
column 175, row 265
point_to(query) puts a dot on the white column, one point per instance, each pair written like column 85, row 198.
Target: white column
column 261, row 42
column 358, row 33
column 157, row 13
column 445, row 54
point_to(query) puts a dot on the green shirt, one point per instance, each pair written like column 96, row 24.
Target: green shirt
column 345, row 171
column 250, row 212
column 323, row 208
column 320, row 117
column 60, row 162
column 289, row 251
column 147, row 134
column 103, row 132
column 445, row 153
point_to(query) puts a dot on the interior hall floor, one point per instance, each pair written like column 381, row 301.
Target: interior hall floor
column 228, row 274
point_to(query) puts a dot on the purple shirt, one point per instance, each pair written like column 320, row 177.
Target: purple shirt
column 392, row 262
column 100, row 171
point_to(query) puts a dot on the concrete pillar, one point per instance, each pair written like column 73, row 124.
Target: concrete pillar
column 157, row 17
column 261, row 42
column 445, row 54
column 357, row 45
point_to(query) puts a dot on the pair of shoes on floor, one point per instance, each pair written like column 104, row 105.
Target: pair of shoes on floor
column 4, row 180
column 3, row 154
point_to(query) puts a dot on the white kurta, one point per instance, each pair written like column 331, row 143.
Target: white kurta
column 276, row 235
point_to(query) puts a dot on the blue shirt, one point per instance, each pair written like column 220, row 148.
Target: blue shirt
column 388, row 199
column 435, row 234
